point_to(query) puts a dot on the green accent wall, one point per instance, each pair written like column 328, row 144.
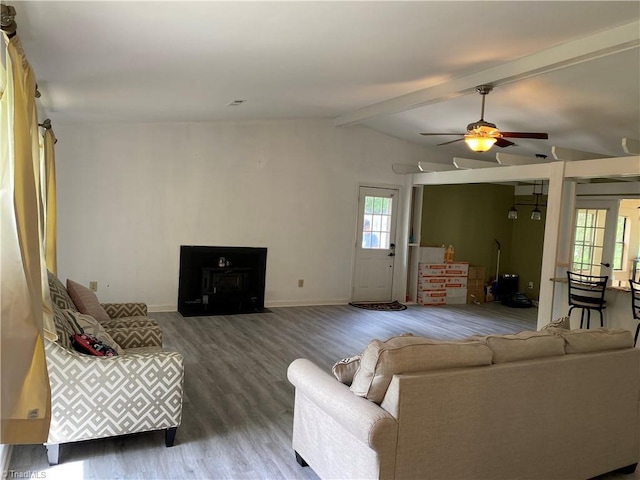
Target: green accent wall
column 473, row 217
column 527, row 241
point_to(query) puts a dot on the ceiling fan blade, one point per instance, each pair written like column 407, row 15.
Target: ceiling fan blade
column 452, row 141
column 442, row 134
column 501, row 142
column 540, row 136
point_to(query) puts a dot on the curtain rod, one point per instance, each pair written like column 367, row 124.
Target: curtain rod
column 8, row 20
column 8, row 24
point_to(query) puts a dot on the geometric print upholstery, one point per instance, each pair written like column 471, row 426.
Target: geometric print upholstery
column 129, row 322
column 64, row 329
column 148, row 336
column 119, row 310
column 96, row 397
column 59, row 294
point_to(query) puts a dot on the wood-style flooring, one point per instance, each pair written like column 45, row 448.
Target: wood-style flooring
column 238, row 404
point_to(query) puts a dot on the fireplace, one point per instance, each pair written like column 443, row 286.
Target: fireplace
column 221, row 280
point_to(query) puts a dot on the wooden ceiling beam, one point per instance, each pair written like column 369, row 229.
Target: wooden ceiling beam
column 595, row 46
column 469, row 163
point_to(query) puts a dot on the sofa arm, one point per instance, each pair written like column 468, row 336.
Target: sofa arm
column 362, row 418
column 95, row 397
column 120, row 310
column 148, row 336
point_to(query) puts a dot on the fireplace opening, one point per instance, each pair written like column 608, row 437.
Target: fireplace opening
column 221, row 280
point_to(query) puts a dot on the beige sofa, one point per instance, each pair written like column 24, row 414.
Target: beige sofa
column 139, row 390
column 552, row 404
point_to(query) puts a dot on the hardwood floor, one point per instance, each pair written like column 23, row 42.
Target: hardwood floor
column 238, row 404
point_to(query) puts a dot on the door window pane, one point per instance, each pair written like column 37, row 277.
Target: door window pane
column 589, row 240
column 376, row 227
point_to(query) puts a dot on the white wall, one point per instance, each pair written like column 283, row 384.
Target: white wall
column 129, row 195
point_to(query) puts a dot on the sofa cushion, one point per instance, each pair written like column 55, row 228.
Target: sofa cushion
column 59, row 294
column 129, row 322
column 595, row 340
column 86, row 301
column 524, row 346
column 88, row 325
column 345, row 369
column 382, row 360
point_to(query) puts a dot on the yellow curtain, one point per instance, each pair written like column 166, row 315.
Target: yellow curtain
column 25, row 307
column 50, row 237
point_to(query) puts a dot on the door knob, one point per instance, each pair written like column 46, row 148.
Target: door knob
column 391, row 254
column 605, row 264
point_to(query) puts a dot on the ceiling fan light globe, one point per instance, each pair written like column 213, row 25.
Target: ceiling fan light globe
column 479, row 143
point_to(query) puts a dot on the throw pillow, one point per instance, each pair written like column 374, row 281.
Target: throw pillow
column 345, row 369
column 90, row 345
column 562, row 322
column 59, row 294
column 86, row 324
column 382, row 360
column 86, row 301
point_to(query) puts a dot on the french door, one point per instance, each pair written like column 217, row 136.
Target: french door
column 594, row 237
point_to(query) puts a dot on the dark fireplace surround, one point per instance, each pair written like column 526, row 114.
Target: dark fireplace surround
column 221, row 280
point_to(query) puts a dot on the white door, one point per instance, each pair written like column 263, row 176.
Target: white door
column 594, row 237
column 375, row 245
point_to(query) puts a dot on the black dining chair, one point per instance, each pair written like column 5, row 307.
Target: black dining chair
column 587, row 293
column 635, row 305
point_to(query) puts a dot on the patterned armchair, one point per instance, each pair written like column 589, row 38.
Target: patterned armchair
column 96, row 397
column 128, row 323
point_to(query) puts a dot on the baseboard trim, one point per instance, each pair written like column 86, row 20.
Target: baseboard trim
column 5, row 459
column 275, row 304
column 306, row 303
column 162, row 308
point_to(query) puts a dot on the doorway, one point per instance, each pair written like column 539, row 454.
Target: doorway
column 375, row 244
column 594, row 237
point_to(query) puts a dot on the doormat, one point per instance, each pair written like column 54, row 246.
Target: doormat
column 385, row 306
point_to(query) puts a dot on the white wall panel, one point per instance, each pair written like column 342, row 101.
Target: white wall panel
column 129, row 195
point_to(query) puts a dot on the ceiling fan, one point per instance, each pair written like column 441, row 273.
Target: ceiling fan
column 481, row 135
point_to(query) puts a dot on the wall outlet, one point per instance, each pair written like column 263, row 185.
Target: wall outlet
column 531, row 285
column 93, row 286
column 301, row 283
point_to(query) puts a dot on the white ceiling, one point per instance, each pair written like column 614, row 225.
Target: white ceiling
column 186, row 61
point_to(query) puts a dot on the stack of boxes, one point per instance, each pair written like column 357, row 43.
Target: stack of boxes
column 475, row 285
column 441, row 283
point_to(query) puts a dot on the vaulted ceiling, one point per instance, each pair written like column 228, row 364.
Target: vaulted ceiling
column 571, row 69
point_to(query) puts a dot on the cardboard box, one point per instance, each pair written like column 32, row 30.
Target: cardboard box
column 432, row 283
column 457, row 268
column 477, row 273
column 432, row 269
column 438, row 297
column 476, row 294
column 456, row 282
column 456, row 296
column 431, row 255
